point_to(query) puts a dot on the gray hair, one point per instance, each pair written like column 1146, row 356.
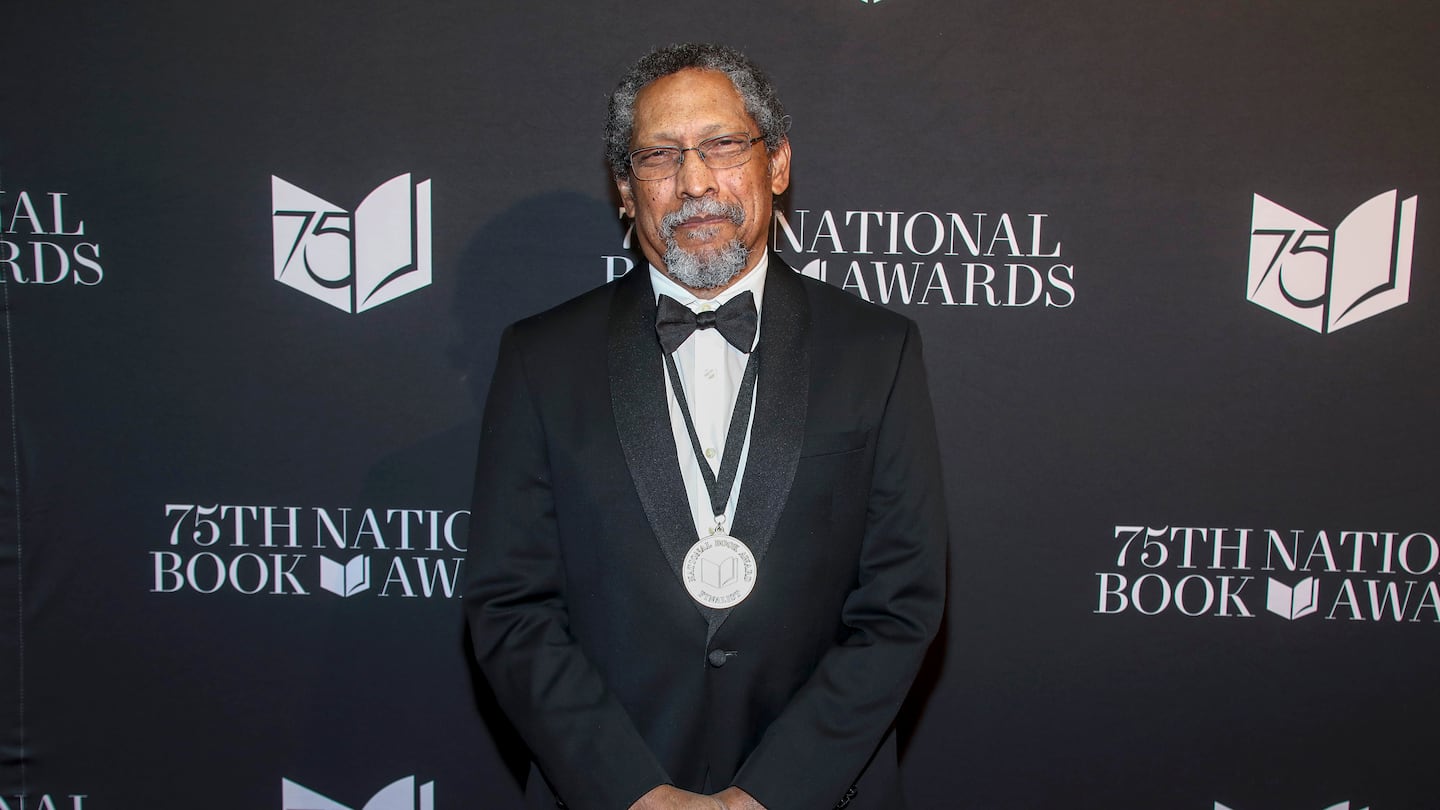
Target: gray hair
column 750, row 82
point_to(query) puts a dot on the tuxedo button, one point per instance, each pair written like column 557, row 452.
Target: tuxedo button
column 717, row 658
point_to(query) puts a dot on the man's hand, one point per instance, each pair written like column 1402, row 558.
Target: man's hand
column 669, row 797
column 733, row 798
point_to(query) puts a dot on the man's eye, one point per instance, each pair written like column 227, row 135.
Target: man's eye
column 653, row 156
column 726, row 144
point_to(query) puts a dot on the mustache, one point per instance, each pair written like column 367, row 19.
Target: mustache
column 700, row 207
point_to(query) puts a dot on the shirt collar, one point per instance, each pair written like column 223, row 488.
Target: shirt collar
column 753, row 281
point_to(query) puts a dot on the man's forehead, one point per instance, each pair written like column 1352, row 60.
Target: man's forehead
column 690, row 102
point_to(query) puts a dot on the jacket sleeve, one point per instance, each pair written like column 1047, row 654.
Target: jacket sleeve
column 582, row 738
column 829, row 730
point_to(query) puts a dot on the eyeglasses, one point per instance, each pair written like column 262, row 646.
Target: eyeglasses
column 719, row 152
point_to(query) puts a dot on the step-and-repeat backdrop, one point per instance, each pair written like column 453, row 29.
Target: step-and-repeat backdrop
column 1175, row 266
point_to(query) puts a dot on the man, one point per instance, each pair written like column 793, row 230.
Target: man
column 705, row 565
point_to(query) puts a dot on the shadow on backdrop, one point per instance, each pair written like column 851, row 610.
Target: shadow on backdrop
column 539, row 252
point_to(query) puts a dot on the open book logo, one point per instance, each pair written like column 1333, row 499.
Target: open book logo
column 358, row 261
column 345, row 580
column 1292, row 603
column 399, row 795
column 719, row 573
column 1327, row 280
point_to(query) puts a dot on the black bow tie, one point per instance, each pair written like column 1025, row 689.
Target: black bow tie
column 736, row 319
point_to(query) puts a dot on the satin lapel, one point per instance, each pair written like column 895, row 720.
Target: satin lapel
column 781, row 402
column 642, row 418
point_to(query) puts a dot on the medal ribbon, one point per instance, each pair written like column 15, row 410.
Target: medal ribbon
column 720, row 488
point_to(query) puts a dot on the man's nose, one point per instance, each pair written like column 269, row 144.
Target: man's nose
column 695, row 179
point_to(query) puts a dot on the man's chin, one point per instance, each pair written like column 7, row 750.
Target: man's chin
column 709, row 238
column 703, row 284
column 706, row 269
column 705, row 257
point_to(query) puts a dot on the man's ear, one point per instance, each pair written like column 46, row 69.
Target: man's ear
column 780, row 168
column 627, row 196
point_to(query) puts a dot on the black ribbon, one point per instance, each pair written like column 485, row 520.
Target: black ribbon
column 736, row 321
column 719, row 489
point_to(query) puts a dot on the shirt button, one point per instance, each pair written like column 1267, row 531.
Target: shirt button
column 709, row 452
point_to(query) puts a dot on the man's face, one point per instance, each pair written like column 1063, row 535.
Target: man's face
column 682, row 110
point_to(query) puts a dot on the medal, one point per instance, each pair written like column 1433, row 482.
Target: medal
column 719, row 571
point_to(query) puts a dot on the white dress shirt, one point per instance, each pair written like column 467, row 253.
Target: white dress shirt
column 710, row 373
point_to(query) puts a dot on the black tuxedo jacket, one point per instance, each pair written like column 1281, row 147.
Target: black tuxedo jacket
column 576, row 609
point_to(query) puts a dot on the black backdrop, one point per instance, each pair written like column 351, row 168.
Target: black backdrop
column 1070, row 189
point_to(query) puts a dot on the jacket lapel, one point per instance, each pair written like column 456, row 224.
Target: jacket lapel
column 642, row 417
column 778, row 429
column 781, row 403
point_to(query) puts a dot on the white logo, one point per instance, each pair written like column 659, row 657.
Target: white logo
column 1326, row 280
column 919, row 258
column 47, row 801
column 358, row 261
column 345, row 580
column 719, row 571
column 266, row 551
column 1340, row 806
column 941, row 258
column 1292, row 603
column 1198, row 571
column 64, row 254
column 398, row 795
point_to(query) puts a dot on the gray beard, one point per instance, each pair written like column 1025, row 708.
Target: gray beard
column 706, row 271
column 709, row 269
